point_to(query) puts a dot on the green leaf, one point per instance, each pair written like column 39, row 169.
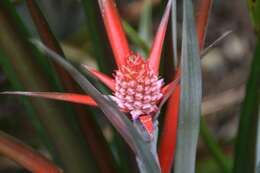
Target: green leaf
column 135, row 38
column 190, row 99
column 43, row 27
column 98, row 37
column 145, row 26
column 254, row 10
column 258, row 146
column 174, row 32
column 93, row 134
column 105, row 60
column 25, row 156
column 246, row 142
column 116, row 117
column 30, row 69
column 223, row 162
column 29, row 109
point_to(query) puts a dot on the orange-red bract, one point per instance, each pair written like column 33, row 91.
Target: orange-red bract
column 168, row 139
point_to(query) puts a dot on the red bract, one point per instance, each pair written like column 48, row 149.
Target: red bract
column 168, row 142
column 167, row 145
column 136, row 87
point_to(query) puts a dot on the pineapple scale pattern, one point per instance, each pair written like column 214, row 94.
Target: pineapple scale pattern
column 137, row 88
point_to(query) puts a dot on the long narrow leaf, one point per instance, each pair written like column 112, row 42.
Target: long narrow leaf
column 156, row 50
column 145, row 24
column 167, row 65
column 254, row 6
column 109, row 82
column 174, row 32
column 43, row 27
column 145, row 29
column 171, row 113
column 94, row 137
column 190, row 98
column 213, row 147
column 29, row 108
column 135, row 38
column 169, row 132
column 203, row 11
column 106, row 63
column 49, row 39
column 258, row 146
column 69, row 97
column 25, row 156
column 114, row 30
column 202, row 18
column 168, row 141
column 215, row 43
column 245, row 149
column 99, row 40
column 22, row 56
column 116, row 117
